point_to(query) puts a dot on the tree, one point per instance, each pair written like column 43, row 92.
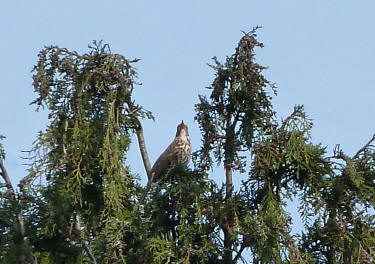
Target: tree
column 81, row 204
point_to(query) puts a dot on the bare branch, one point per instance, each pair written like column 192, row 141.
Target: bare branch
column 239, row 253
column 86, row 244
column 5, row 176
column 10, row 192
column 22, row 224
column 148, row 187
column 142, row 147
column 84, row 84
column 339, row 154
column 141, row 139
column 368, row 144
column 89, row 252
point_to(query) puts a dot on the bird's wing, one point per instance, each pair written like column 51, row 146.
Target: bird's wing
column 163, row 162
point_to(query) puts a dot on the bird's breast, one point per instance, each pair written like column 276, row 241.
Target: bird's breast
column 183, row 151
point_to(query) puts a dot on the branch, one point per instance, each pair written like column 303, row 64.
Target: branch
column 148, row 186
column 86, row 244
column 292, row 115
column 6, row 178
column 142, row 147
column 10, row 190
column 84, row 84
column 141, row 138
column 89, row 252
column 364, row 147
column 239, row 253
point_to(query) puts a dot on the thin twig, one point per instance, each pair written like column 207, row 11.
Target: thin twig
column 364, row 147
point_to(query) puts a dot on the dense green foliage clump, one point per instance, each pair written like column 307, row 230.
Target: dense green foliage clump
column 81, row 204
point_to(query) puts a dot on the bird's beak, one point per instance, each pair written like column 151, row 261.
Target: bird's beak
column 182, row 122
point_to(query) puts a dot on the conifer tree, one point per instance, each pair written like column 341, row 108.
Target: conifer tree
column 81, row 203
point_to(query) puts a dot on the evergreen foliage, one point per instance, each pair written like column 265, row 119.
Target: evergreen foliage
column 80, row 203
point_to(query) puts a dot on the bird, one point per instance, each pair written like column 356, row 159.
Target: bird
column 178, row 153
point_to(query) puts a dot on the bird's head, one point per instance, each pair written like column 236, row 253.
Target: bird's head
column 182, row 130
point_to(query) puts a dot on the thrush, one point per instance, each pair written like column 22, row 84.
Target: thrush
column 178, row 153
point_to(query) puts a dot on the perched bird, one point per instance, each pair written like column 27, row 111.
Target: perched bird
column 178, row 153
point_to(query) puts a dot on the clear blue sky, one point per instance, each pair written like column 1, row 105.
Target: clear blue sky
column 320, row 53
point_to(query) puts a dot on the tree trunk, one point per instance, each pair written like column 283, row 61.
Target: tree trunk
column 20, row 220
column 228, row 242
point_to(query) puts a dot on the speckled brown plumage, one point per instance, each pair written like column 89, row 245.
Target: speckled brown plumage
column 178, row 153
